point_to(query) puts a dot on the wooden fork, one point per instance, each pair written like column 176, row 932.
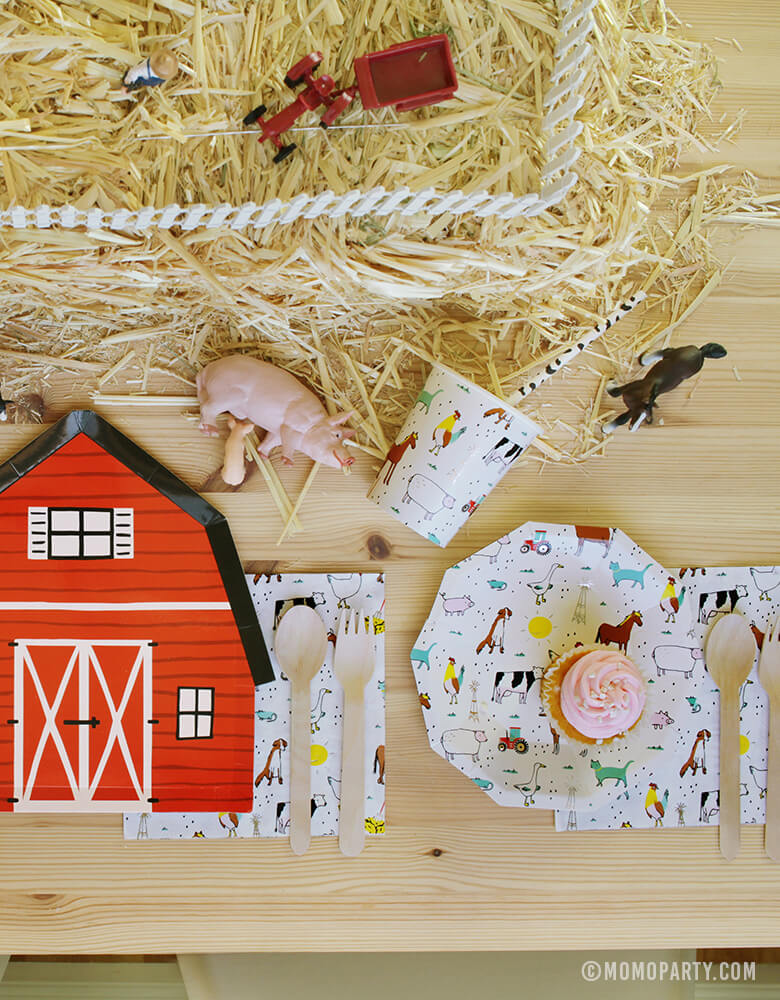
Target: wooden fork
column 769, row 676
column 353, row 665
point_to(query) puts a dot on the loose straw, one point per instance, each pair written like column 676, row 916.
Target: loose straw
column 121, row 399
column 298, row 502
column 274, row 484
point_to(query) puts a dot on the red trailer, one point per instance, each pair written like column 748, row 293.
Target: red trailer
column 408, row 75
column 129, row 645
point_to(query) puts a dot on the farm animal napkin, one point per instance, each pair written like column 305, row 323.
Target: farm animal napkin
column 677, row 785
column 270, row 816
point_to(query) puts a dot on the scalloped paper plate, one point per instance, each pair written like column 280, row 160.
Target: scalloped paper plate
column 499, row 618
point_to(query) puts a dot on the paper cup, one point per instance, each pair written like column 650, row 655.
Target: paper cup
column 458, row 441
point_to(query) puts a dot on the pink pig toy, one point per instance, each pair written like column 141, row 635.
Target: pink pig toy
column 291, row 415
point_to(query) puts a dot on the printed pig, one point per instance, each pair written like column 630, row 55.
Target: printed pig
column 271, row 398
column 456, row 605
column 661, row 719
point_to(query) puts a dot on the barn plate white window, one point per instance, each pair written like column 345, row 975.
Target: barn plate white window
column 196, row 713
column 79, row 533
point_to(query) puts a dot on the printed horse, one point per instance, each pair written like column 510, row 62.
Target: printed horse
column 395, row 454
column 618, row 633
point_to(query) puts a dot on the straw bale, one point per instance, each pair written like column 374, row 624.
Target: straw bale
column 62, row 65
column 355, row 306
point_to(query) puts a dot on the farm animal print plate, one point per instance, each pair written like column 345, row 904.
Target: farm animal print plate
column 273, row 594
column 677, row 785
column 500, row 617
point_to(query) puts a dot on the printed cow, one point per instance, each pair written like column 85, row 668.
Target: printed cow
column 283, row 605
column 709, row 805
column 715, row 602
column 283, row 812
column 509, row 682
column 588, row 533
column 504, row 452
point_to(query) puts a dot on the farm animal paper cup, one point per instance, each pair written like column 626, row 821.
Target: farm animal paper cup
column 458, row 441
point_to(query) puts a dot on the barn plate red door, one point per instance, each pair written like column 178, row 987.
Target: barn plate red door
column 82, row 742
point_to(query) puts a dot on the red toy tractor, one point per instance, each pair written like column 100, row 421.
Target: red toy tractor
column 408, row 75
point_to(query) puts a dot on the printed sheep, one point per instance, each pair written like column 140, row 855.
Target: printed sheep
column 427, row 494
column 462, row 741
column 678, row 659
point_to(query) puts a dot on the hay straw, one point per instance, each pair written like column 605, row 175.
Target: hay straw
column 304, row 490
column 274, row 484
column 47, row 360
column 356, row 307
column 133, row 399
column 61, row 77
column 116, row 368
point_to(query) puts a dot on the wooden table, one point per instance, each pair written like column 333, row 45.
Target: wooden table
column 455, row 870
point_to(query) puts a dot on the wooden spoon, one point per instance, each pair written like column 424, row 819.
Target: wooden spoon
column 300, row 646
column 729, row 655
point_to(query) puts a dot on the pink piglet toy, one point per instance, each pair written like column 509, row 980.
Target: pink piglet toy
column 271, row 398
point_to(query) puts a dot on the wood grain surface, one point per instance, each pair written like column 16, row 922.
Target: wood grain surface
column 455, row 870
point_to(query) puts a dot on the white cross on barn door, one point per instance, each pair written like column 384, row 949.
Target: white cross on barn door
column 82, row 741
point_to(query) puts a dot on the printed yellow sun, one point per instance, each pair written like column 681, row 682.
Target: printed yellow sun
column 744, row 743
column 318, row 754
column 540, row 627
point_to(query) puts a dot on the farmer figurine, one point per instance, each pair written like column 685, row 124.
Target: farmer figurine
column 671, row 366
column 161, row 65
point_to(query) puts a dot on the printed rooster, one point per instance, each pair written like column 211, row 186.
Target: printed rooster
column 670, row 602
column 453, row 681
column 442, row 435
column 655, row 807
column 229, row 821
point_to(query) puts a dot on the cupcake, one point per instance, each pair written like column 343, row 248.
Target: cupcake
column 593, row 694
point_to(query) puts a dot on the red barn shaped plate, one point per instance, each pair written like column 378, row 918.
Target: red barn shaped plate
column 129, row 645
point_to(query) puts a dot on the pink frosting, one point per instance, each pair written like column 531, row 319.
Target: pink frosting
column 602, row 694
